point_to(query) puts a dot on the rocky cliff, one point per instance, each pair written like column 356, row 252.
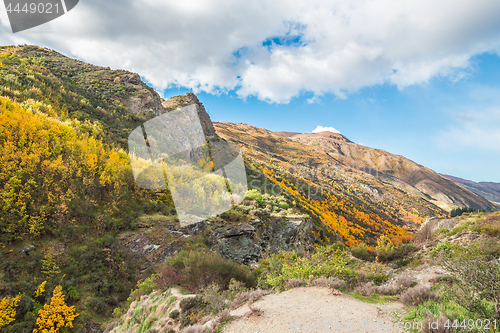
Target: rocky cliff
column 243, row 243
column 191, row 99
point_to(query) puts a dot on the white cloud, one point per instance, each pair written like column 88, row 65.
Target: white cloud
column 217, row 45
column 475, row 130
column 325, row 129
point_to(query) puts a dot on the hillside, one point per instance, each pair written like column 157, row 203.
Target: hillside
column 116, row 100
column 359, row 192
column 71, row 214
column 447, row 276
column 431, row 185
column 487, row 190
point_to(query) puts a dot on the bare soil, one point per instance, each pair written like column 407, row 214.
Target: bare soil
column 314, row 309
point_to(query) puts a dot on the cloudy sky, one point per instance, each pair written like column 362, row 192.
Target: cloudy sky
column 416, row 78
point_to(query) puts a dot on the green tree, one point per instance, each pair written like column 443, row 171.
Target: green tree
column 476, row 276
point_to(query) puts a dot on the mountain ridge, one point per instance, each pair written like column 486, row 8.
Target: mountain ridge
column 438, row 189
column 488, row 190
column 395, row 169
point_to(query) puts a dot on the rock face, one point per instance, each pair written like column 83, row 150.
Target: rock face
column 248, row 243
column 243, row 243
column 191, row 99
column 143, row 99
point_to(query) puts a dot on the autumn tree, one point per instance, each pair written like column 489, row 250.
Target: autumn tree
column 55, row 315
column 8, row 310
column 49, row 265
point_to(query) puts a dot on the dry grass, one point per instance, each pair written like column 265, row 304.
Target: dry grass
column 294, row 283
column 224, row 315
column 248, row 296
column 404, row 282
column 417, row 295
column 366, row 289
column 386, row 290
column 331, row 282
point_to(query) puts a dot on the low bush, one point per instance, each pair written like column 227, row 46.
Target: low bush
column 366, row 289
column 377, row 276
column 192, row 310
column 387, row 290
column 253, row 195
column 491, row 246
column 294, row 283
column 330, row 282
column 190, row 304
column 487, row 230
column 195, row 270
column 248, row 296
column 475, row 275
column 174, row 314
column 457, row 230
column 442, row 231
column 361, row 252
column 145, row 287
column 417, row 295
column 217, row 300
column 434, row 324
column 279, row 268
column 386, row 251
column 404, row 282
column 167, row 277
column 283, row 205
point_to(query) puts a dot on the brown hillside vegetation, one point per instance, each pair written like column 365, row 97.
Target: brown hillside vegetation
column 438, row 189
column 359, row 192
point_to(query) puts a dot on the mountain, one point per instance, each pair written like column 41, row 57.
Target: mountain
column 487, row 190
column 394, row 168
column 358, row 192
column 116, row 101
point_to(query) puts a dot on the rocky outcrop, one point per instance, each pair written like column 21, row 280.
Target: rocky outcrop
column 143, row 99
column 191, row 99
column 243, row 243
column 248, row 243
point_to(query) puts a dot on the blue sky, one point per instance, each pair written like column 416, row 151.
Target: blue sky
column 418, row 78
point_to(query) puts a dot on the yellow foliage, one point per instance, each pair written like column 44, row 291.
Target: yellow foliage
column 41, row 289
column 55, row 315
column 8, row 310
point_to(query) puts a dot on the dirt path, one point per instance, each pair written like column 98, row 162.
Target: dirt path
column 314, row 309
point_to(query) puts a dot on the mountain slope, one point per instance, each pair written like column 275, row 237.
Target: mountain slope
column 113, row 101
column 355, row 205
column 432, row 186
column 487, row 190
column 359, row 192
